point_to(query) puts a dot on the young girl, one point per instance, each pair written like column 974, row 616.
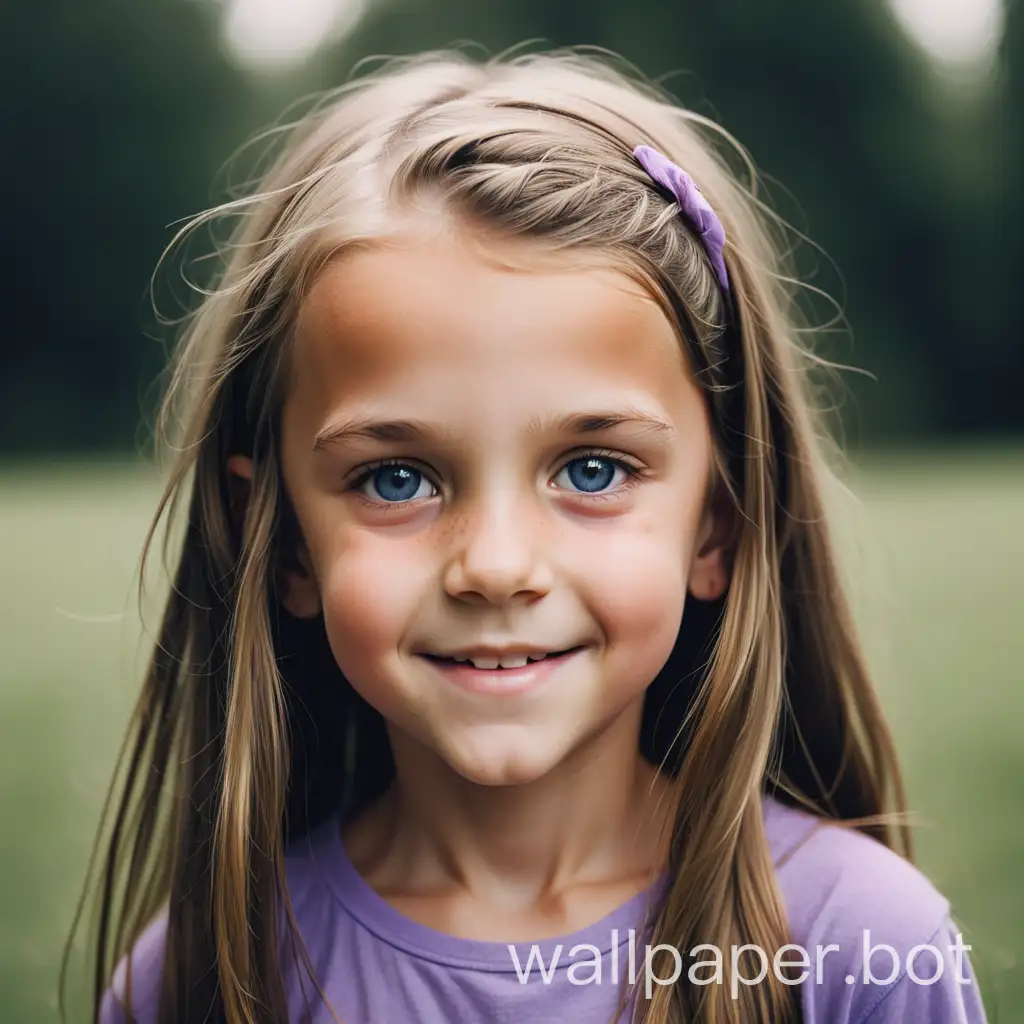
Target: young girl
column 506, row 673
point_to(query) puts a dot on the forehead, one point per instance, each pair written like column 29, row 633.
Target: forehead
column 447, row 320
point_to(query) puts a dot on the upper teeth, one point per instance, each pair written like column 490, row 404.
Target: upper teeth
column 505, row 661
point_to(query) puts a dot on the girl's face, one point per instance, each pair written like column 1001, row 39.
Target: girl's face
column 492, row 463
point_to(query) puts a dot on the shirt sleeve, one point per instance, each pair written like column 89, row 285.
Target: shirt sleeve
column 879, row 937
column 112, row 1010
column 936, row 985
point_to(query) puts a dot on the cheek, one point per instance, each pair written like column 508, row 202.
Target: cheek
column 635, row 589
column 371, row 589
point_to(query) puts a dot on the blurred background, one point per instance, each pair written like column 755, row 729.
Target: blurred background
column 889, row 132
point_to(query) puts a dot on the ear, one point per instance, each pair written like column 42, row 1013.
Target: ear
column 711, row 567
column 296, row 582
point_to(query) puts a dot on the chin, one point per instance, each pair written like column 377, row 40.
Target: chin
column 495, row 767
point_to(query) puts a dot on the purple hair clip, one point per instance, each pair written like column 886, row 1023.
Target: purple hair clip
column 693, row 205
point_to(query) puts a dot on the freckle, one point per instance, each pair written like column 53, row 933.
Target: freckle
column 452, row 530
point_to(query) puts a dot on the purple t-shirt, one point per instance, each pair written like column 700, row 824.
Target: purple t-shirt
column 841, row 890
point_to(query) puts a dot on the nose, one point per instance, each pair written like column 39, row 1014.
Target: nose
column 499, row 552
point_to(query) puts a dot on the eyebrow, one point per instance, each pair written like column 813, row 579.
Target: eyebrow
column 577, row 424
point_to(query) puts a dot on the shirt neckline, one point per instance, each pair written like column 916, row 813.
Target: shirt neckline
column 370, row 910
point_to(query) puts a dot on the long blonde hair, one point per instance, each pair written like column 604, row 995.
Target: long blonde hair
column 766, row 690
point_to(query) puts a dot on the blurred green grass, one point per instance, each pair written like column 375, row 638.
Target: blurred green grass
column 940, row 573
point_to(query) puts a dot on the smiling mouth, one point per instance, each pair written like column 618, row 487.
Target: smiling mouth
column 509, row 663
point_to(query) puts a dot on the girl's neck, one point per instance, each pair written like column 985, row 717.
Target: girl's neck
column 599, row 818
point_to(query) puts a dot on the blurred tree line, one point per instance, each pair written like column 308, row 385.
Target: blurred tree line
column 119, row 115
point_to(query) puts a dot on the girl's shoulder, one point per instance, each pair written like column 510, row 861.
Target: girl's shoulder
column 146, row 963
column 310, row 863
column 872, row 932
column 833, row 876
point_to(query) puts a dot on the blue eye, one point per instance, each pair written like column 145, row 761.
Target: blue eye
column 593, row 473
column 392, row 483
column 396, row 482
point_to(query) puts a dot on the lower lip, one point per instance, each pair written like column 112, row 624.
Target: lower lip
column 504, row 682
